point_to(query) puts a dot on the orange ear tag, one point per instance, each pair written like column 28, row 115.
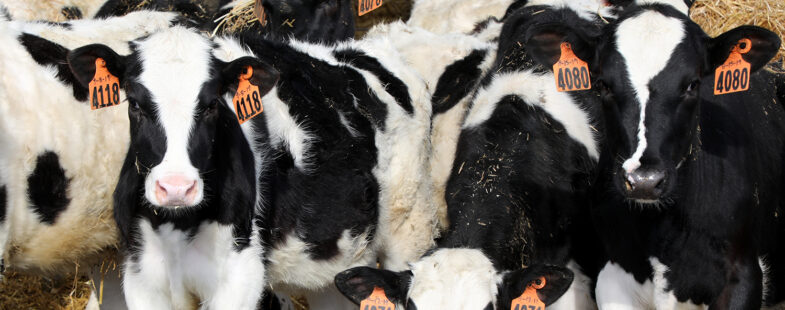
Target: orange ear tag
column 529, row 299
column 258, row 11
column 377, row 301
column 571, row 72
column 104, row 88
column 247, row 100
column 366, row 6
column 734, row 75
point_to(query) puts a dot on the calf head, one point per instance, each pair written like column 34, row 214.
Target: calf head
column 648, row 68
column 187, row 148
column 314, row 20
column 454, row 279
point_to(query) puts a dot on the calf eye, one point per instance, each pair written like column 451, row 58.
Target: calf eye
column 133, row 104
column 693, row 87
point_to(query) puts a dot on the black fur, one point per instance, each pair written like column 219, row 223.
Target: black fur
column 457, row 81
column 3, row 203
column 47, row 187
column 48, row 53
column 394, row 86
column 71, row 12
column 321, row 21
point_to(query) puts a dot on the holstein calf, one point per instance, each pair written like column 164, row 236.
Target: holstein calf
column 691, row 182
column 332, row 173
column 59, row 160
column 518, row 187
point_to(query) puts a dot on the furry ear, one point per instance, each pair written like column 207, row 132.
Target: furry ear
column 557, row 281
column 82, row 62
column 358, row 283
column 264, row 76
column 765, row 45
column 126, row 197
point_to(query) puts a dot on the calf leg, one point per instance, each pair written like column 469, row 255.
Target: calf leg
column 107, row 292
column 241, row 284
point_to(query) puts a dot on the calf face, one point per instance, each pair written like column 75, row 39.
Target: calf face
column 180, row 123
column 649, row 69
column 453, row 279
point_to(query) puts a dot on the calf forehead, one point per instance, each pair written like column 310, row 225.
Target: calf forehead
column 646, row 42
column 454, row 279
column 175, row 64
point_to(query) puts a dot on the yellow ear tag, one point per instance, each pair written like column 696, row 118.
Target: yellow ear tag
column 377, row 301
column 366, row 6
column 104, row 88
column 571, row 72
column 529, row 299
column 247, row 100
column 734, row 75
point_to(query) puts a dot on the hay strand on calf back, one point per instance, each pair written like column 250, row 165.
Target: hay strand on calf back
column 718, row 16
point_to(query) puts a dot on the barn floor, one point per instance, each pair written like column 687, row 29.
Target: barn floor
column 19, row 291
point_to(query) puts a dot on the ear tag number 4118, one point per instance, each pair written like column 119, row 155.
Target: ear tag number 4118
column 104, row 88
column 247, row 100
column 377, row 301
column 734, row 75
column 529, row 300
column 571, row 72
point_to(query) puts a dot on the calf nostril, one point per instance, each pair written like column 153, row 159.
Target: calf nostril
column 191, row 192
column 160, row 192
column 628, row 185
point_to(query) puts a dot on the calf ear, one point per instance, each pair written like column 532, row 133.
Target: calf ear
column 544, row 41
column 765, row 45
column 358, row 283
column 264, row 76
column 82, row 62
column 557, row 281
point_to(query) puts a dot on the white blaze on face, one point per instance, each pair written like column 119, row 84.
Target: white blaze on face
column 454, row 279
column 646, row 42
column 175, row 64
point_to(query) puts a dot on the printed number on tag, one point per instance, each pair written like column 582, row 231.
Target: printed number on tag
column 366, row 6
column 104, row 88
column 571, row 72
column 529, row 300
column 247, row 100
column 734, row 75
column 377, row 301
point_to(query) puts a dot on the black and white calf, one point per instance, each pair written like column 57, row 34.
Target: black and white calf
column 691, row 182
column 59, row 159
column 517, row 191
column 332, row 174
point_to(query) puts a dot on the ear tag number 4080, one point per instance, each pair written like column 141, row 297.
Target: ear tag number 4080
column 734, row 75
column 104, row 88
column 571, row 72
column 529, row 300
column 247, row 100
column 377, row 301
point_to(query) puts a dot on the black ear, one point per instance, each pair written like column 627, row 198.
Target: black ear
column 557, row 281
column 358, row 283
column 126, row 196
column 765, row 45
column 544, row 41
column 82, row 62
column 332, row 21
column 264, row 76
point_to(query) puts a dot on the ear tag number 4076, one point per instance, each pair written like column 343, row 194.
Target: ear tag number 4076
column 104, row 88
column 247, row 100
column 734, row 75
column 377, row 301
column 529, row 300
column 571, row 72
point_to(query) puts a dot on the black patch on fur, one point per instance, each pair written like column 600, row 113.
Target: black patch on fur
column 48, row 53
column 3, row 203
column 457, row 81
column 47, row 187
column 394, row 86
column 71, row 12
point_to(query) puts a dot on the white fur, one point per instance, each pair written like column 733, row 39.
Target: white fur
column 644, row 61
column 170, row 268
column 458, row 16
column 578, row 296
column 677, row 4
column 454, row 279
column 586, row 9
column 91, row 146
column 664, row 299
column 175, row 63
column 51, row 10
column 536, row 90
column 618, row 290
